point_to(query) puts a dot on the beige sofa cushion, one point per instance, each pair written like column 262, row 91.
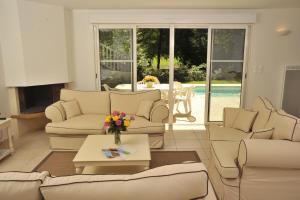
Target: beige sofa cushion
column 283, row 124
column 90, row 102
column 224, row 154
column 244, row 120
column 159, row 112
column 93, row 124
column 142, row 125
column 229, row 116
column 264, row 109
column 129, row 102
column 171, row 182
column 296, row 135
column 21, row 185
column 225, row 133
column 261, row 134
column 269, row 154
column 144, row 108
column 71, row 108
column 83, row 125
column 56, row 112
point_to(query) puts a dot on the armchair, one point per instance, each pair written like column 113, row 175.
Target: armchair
column 244, row 168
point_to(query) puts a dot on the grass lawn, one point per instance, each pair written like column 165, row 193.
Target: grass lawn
column 164, row 63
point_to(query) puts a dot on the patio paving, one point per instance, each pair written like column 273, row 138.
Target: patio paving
column 198, row 107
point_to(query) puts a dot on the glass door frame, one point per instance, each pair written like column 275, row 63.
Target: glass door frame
column 172, row 28
column 209, row 61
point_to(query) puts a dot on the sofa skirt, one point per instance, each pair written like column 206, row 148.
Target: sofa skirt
column 74, row 142
column 225, row 189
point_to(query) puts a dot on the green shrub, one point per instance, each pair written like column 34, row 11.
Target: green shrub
column 198, row 73
column 181, row 74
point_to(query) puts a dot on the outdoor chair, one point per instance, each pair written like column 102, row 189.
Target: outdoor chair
column 184, row 95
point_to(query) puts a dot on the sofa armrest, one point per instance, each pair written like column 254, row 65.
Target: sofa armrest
column 269, row 153
column 229, row 115
column 55, row 112
column 159, row 112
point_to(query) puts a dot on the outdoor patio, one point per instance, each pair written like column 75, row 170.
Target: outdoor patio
column 223, row 98
column 222, row 95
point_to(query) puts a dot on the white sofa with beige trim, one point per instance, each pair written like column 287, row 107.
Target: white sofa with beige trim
column 262, row 164
column 94, row 106
column 170, row 182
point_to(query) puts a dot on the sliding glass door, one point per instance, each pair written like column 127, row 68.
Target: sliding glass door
column 226, row 71
column 116, row 58
column 190, row 57
column 199, row 70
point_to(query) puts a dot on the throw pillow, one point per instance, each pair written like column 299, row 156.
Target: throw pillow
column 72, row 108
column 261, row 134
column 144, row 108
column 244, row 120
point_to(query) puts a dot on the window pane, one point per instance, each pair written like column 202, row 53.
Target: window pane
column 153, row 54
column 228, row 44
column 116, row 58
column 116, row 74
column 115, row 44
column 225, row 90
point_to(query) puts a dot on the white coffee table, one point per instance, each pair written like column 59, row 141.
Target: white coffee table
column 90, row 154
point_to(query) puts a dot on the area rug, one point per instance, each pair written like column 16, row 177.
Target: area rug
column 59, row 163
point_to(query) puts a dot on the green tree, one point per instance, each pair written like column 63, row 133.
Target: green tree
column 191, row 46
column 153, row 43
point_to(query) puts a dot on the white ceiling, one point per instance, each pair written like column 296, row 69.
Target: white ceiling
column 173, row 4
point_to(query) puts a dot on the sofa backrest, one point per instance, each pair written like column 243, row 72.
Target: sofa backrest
column 264, row 108
column 21, row 185
column 171, row 182
column 286, row 127
column 128, row 102
column 90, row 102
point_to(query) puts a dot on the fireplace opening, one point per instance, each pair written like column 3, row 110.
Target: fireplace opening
column 35, row 99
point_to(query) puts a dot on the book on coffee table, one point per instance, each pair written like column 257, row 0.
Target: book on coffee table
column 115, row 152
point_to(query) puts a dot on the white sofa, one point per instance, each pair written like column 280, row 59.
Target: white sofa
column 170, row 182
column 70, row 133
column 243, row 168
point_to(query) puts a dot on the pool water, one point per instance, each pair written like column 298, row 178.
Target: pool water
column 226, row 91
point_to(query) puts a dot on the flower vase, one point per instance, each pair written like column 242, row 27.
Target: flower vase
column 149, row 84
column 117, row 135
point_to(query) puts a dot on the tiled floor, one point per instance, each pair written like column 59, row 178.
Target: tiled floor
column 31, row 148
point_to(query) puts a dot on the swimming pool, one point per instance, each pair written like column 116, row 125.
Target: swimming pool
column 224, row 91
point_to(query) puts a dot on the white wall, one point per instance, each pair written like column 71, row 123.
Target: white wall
column 267, row 50
column 271, row 52
column 13, row 55
column 84, row 65
column 44, row 43
column 33, row 42
column 11, row 43
column 4, row 105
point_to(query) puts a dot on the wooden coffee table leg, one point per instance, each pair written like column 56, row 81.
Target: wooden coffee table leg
column 79, row 170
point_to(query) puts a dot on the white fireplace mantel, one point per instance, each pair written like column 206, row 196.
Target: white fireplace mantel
column 33, row 43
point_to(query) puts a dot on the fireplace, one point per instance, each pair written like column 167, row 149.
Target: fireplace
column 35, row 99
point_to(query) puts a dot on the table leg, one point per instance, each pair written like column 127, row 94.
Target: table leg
column 10, row 139
column 79, row 170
